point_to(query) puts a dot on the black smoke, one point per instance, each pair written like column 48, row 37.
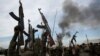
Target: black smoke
column 87, row 16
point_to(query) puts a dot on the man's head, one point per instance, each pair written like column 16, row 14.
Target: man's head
column 17, row 29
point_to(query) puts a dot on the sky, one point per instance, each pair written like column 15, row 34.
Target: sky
column 52, row 9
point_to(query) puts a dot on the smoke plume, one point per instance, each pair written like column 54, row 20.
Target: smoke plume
column 87, row 16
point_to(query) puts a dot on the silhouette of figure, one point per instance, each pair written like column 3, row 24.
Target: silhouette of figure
column 20, row 22
column 13, row 43
column 92, row 49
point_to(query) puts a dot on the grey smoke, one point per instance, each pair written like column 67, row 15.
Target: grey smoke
column 89, row 16
column 59, row 38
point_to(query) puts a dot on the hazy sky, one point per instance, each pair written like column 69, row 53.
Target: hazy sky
column 49, row 8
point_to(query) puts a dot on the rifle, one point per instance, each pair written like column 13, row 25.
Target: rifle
column 46, row 27
column 20, row 25
column 20, row 22
column 31, row 37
